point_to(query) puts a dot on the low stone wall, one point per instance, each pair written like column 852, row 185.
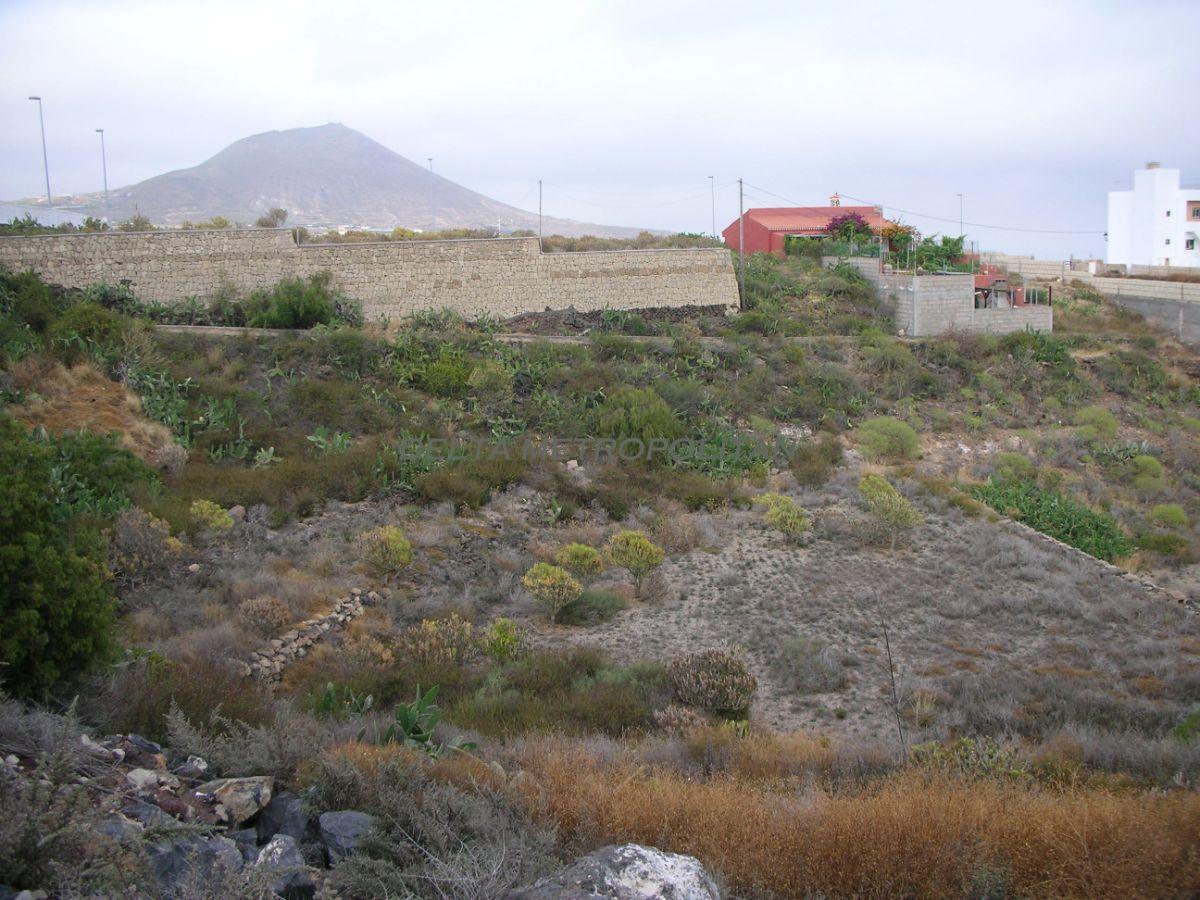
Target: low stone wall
column 498, row 277
column 269, row 661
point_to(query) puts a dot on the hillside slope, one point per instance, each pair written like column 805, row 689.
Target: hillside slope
column 326, row 175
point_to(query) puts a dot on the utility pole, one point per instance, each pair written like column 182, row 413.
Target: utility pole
column 712, row 190
column 741, row 244
column 539, row 215
column 45, row 158
column 104, row 170
column 432, row 212
column 960, row 216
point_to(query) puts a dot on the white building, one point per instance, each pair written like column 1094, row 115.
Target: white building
column 1155, row 224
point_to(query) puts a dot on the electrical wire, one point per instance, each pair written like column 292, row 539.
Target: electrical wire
column 909, row 212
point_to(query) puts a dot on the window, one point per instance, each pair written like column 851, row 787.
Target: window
column 1196, row 212
column 1190, row 244
column 1168, row 214
column 1168, row 242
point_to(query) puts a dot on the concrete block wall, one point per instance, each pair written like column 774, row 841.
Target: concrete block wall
column 499, row 277
column 929, row 305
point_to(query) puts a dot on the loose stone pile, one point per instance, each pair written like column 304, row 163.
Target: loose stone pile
column 269, row 661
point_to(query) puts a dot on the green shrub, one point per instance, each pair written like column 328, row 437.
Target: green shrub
column 553, row 588
column 385, row 550
column 293, row 303
column 784, row 515
column 84, row 327
column 447, row 376
column 1101, row 422
column 1013, row 466
column 490, row 382
column 813, row 461
column 637, row 414
column 1169, row 515
column 1059, row 516
column 890, row 510
column 27, row 299
column 580, row 560
column 469, row 484
column 92, row 474
column 594, row 605
column 714, row 680
column 1172, row 546
column 636, row 554
column 208, row 516
column 888, row 439
column 503, row 641
column 56, row 605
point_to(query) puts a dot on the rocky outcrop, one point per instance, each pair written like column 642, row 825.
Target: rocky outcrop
column 269, row 661
column 628, row 872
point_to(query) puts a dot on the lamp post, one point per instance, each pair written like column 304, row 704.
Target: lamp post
column 104, row 170
column 432, row 213
column 712, row 192
column 45, row 158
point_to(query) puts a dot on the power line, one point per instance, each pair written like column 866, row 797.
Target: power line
column 909, row 212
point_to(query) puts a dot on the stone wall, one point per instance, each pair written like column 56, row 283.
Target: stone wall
column 499, row 277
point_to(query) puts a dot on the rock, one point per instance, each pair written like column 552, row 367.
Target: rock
column 247, row 842
column 629, row 872
column 147, row 813
column 240, row 798
column 194, row 767
column 284, row 815
column 171, row 860
column 145, row 744
column 343, row 832
column 282, row 855
column 119, row 828
column 194, row 568
column 237, row 513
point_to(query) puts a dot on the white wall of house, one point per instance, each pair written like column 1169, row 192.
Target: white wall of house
column 1151, row 225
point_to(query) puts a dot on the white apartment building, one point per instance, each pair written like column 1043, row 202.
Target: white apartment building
column 1155, row 224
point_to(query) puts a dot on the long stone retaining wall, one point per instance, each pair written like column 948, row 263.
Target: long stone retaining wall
column 497, row 277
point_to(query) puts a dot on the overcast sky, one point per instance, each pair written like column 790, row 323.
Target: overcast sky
column 1032, row 110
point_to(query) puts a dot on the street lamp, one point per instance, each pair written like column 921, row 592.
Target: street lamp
column 104, row 169
column 712, row 192
column 432, row 212
column 45, row 159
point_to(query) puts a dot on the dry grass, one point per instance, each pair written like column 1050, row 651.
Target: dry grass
column 83, row 398
column 906, row 835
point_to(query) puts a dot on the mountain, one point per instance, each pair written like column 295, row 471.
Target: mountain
column 328, row 175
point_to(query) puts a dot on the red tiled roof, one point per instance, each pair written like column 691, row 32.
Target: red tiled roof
column 810, row 219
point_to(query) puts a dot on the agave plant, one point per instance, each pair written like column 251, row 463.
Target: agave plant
column 414, row 724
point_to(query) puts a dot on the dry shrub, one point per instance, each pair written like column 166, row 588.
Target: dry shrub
column 84, row 399
column 265, row 613
column 906, row 835
column 138, row 543
column 438, row 643
column 716, row 680
column 677, row 531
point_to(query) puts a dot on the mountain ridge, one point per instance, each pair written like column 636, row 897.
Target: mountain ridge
column 329, row 175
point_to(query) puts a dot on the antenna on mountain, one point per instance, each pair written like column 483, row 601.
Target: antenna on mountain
column 539, row 215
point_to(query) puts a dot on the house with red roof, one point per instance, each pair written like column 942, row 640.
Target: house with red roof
column 767, row 227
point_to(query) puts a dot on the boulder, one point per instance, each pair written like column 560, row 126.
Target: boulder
column 284, row 815
column 142, row 779
column 173, row 859
column 628, row 872
column 240, row 798
column 194, row 768
column 343, row 832
column 247, row 843
column 281, row 856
